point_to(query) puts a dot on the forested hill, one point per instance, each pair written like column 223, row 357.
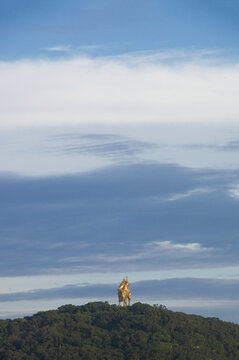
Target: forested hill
column 102, row 331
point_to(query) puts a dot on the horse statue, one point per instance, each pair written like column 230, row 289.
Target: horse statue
column 124, row 293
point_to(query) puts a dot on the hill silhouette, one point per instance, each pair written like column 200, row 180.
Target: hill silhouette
column 99, row 331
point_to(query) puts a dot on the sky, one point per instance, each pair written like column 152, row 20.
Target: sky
column 119, row 140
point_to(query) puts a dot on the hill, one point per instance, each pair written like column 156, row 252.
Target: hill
column 99, row 331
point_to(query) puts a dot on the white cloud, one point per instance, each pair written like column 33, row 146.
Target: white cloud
column 189, row 193
column 157, row 249
column 123, row 258
column 130, row 89
column 234, row 193
column 150, row 56
column 170, row 246
column 60, row 48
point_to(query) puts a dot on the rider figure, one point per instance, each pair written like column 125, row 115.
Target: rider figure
column 123, row 292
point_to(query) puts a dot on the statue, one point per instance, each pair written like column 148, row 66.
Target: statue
column 124, row 293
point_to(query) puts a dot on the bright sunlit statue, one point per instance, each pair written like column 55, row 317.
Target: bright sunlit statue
column 124, row 293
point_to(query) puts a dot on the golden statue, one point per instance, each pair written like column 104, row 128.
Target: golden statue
column 124, row 293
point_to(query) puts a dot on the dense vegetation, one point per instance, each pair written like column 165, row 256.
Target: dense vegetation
column 106, row 332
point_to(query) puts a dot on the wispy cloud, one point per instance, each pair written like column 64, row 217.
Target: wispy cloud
column 188, row 247
column 156, row 249
column 232, row 145
column 234, row 193
column 194, row 192
column 165, row 289
column 207, row 297
column 106, row 46
column 59, row 48
column 170, row 56
column 102, row 145
column 109, row 218
column 131, row 89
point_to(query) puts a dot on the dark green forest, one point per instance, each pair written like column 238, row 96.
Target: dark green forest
column 99, row 331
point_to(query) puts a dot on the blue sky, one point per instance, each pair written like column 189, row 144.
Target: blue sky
column 106, row 27
column 119, row 144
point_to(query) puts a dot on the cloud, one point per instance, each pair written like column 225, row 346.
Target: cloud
column 108, row 219
column 188, row 288
column 62, row 48
column 103, row 145
column 194, row 192
column 117, row 90
column 172, row 55
column 234, row 193
column 206, row 297
column 189, row 248
column 232, row 146
column 86, row 49
column 148, row 290
column 156, row 249
column 65, row 292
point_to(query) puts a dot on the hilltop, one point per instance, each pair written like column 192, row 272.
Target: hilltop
column 99, row 331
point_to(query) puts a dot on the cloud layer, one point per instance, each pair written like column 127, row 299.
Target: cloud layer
column 117, row 90
column 146, row 290
column 117, row 218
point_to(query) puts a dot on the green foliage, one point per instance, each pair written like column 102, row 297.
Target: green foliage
column 99, row 331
